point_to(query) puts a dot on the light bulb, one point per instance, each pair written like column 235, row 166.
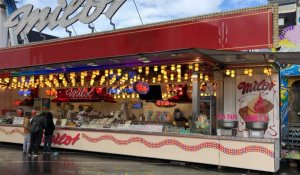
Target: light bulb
column 228, row 72
column 173, row 67
column 206, row 78
column 155, row 68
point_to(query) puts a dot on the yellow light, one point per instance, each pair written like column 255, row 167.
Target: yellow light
column 155, row 68
column 147, row 72
column 111, row 71
column 228, row 72
column 206, row 78
column 147, row 69
column 250, row 74
column 173, row 67
column 197, row 67
column 246, row 71
column 250, row 70
column 233, row 75
column 270, row 71
column 140, row 70
column 23, row 79
column 201, row 76
column 190, row 66
column 232, row 71
column 265, row 70
column 132, row 95
column 7, row 80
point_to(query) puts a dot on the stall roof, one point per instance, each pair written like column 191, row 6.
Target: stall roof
column 234, row 57
column 212, row 59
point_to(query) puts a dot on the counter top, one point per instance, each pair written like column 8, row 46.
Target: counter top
column 190, row 135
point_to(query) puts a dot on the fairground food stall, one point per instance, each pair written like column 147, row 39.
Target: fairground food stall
column 151, row 92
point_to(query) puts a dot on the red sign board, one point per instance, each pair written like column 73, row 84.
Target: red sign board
column 141, row 88
column 224, row 31
column 82, row 94
column 165, row 103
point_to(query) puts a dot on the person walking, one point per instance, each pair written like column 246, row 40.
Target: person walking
column 38, row 123
column 48, row 134
column 27, row 133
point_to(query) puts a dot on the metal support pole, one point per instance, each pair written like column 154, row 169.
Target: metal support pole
column 195, row 96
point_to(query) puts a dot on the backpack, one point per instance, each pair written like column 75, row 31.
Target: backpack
column 36, row 124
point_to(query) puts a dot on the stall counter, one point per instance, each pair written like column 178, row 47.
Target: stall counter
column 246, row 153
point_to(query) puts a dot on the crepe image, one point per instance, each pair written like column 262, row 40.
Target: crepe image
column 258, row 105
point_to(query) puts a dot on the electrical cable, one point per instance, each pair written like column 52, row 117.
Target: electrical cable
column 74, row 29
column 137, row 9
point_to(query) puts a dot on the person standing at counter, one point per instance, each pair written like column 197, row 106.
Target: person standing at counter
column 80, row 115
column 48, row 134
column 70, row 112
column 26, row 126
column 38, row 123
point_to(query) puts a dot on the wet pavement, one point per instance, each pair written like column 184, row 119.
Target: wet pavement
column 13, row 162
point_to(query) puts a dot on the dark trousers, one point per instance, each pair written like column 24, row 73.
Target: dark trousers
column 47, row 143
column 35, row 142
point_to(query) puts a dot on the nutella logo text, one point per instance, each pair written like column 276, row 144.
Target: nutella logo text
column 263, row 85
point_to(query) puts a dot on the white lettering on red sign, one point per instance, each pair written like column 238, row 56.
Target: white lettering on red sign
column 79, row 93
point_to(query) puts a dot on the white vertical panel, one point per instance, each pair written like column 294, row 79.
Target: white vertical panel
column 229, row 95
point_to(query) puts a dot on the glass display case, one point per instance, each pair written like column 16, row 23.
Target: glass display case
column 206, row 122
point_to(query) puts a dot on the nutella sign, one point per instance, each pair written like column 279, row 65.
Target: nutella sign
column 262, row 85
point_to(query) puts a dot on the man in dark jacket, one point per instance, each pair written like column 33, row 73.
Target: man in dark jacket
column 38, row 123
column 48, row 134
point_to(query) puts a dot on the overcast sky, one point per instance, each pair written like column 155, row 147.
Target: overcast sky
column 151, row 11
